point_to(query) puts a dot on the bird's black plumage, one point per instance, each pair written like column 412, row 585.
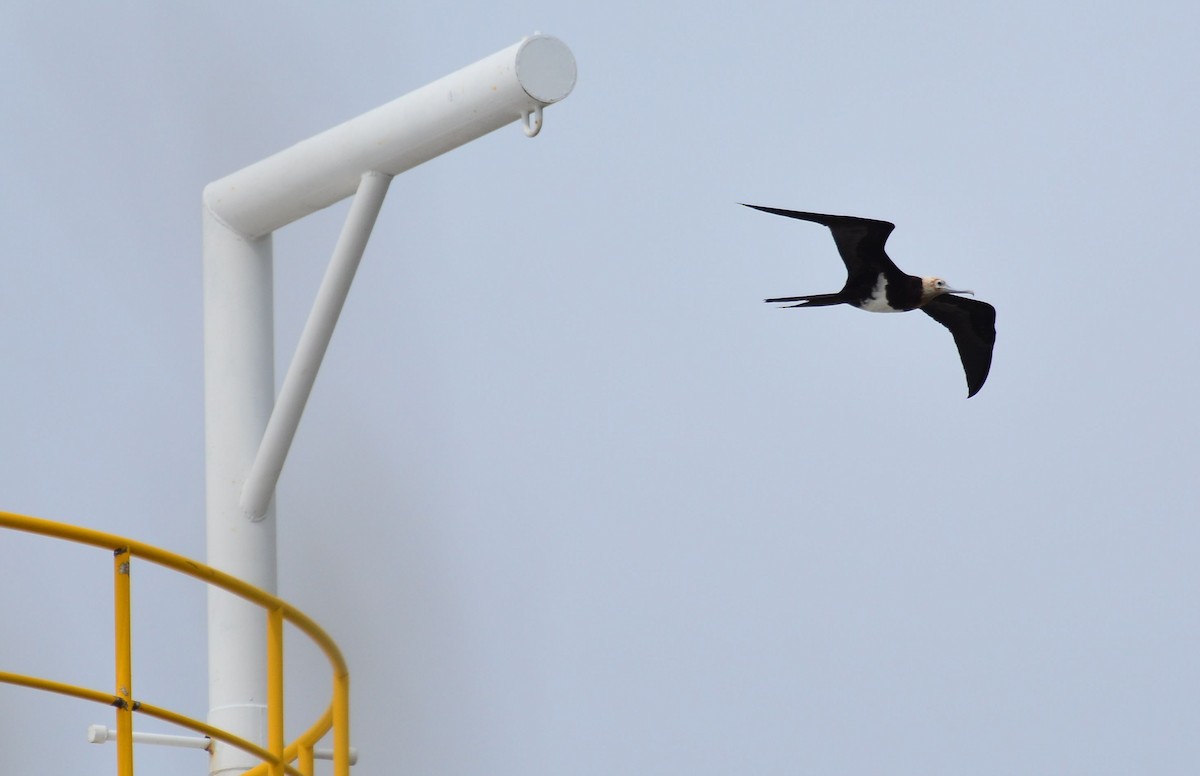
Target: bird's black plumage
column 973, row 325
column 875, row 283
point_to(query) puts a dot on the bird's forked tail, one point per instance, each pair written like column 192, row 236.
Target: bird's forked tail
column 813, row 300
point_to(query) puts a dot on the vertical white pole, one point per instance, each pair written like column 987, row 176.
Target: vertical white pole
column 239, row 391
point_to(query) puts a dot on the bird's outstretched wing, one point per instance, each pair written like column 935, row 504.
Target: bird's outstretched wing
column 973, row 324
column 859, row 241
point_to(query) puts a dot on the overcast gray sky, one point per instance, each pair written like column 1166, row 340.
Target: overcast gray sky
column 569, row 496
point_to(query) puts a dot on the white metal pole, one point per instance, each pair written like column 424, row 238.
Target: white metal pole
column 298, row 383
column 241, row 210
column 98, row 734
column 239, row 391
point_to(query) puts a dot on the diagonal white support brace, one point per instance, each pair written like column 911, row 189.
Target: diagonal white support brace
column 314, row 340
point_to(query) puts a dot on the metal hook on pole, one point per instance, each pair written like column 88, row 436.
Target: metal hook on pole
column 534, row 127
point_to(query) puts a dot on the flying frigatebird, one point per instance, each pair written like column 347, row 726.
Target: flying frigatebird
column 875, row 284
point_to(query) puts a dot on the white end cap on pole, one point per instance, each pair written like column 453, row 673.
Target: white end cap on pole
column 509, row 85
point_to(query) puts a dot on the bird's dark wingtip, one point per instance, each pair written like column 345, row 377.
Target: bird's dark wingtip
column 976, row 388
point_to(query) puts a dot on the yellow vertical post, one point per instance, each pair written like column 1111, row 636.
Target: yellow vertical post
column 124, row 660
column 304, row 759
column 341, row 724
column 275, row 689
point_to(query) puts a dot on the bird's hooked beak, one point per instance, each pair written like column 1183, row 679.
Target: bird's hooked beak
column 932, row 288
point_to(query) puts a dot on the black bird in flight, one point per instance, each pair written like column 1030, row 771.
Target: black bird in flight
column 877, row 285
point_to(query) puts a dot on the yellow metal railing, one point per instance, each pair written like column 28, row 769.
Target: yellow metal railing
column 276, row 758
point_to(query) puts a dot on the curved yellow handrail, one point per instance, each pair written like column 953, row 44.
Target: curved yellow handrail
column 276, row 758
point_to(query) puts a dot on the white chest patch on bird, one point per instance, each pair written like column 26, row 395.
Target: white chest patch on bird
column 877, row 302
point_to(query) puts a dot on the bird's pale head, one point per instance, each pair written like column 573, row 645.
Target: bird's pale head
column 932, row 288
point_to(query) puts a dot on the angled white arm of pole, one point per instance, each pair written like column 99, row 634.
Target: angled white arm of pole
column 298, row 383
column 511, row 84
